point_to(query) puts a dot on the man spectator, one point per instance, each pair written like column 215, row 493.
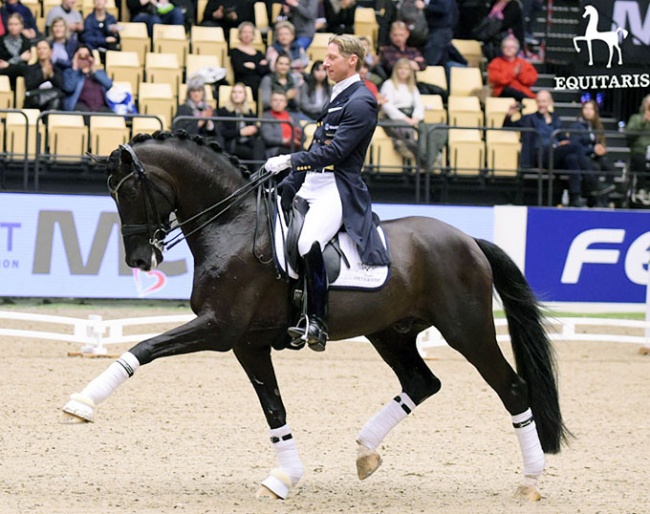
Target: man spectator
column 67, row 11
column 152, row 12
column 397, row 49
column 442, row 16
column 15, row 6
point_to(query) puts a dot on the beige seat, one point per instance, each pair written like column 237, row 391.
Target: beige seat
column 124, row 67
column 466, row 151
column 258, row 42
column 209, row 41
column 209, row 97
column 134, row 38
column 530, row 106
column 496, row 109
column 87, row 7
column 503, row 150
column 224, row 95
column 365, row 24
column 471, row 50
column 66, row 138
column 196, row 62
column 465, row 81
column 434, row 75
column 145, row 125
column 434, row 110
column 107, row 133
column 6, row 93
column 19, row 98
column 465, row 111
column 308, row 129
column 17, row 140
column 318, row 48
column 163, row 68
column 158, row 100
column 261, row 16
column 200, row 10
column 171, row 39
column 384, row 158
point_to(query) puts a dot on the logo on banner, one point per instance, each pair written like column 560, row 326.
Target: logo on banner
column 612, row 37
column 147, row 283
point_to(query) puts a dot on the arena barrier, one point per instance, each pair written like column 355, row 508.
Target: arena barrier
column 95, row 334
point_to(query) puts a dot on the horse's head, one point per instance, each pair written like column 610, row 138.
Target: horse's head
column 144, row 202
column 590, row 10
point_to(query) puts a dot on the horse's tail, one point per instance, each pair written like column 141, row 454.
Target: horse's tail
column 531, row 346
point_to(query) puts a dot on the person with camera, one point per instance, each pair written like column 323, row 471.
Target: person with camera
column 43, row 81
column 84, row 84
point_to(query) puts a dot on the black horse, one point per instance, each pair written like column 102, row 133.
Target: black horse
column 439, row 277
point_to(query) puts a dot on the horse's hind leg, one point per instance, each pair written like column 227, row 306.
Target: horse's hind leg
column 399, row 351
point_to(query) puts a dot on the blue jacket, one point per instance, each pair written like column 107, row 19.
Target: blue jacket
column 531, row 140
column 586, row 140
column 95, row 34
column 73, row 82
column 28, row 18
column 341, row 140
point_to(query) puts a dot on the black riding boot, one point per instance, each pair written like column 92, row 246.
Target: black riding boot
column 315, row 325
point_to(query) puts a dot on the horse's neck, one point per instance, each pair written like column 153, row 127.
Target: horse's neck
column 592, row 25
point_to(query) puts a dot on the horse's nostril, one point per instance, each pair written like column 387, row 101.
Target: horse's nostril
column 142, row 264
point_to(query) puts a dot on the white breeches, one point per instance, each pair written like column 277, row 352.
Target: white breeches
column 325, row 215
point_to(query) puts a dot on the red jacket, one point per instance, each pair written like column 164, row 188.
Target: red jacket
column 501, row 73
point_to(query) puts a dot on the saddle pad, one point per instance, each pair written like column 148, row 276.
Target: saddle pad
column 356, row 276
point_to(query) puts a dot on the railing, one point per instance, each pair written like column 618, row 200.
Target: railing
column 24, row 155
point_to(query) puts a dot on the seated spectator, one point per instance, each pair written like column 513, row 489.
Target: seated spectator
column 280, row 138
column 566, row 155
column 63, row 46
column 281, row 80
column 30, row 31
column 67, row 11
column 196, row 106
column 285, row 43
column 339, row 15
column 302, row 14
column 228, row 13
column 100, row 29
column 84, row 84
column 637, row 134
column 397, row 49
column 509, row 75
column 376, row 73
column 315, row 92
column 43, row 81
column 152, row 12
column 403, row 105
column 248, row 63
column 240, row 134
column 15, row 50
column 363, row 74
column 442, row 16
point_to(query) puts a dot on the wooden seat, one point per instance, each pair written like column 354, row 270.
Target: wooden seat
column 365, row 24
column 384, row 158
column 261, row 17
column 107, row 133
column 466, row 151
column 18, row 138
column 434, row 110
column 158, row 100
column 196, row 62
column 209, row 97
column 88, row 6
column 66, row 138
column 503, row 149
column 19, row 98
column 6, row 93
column 145, row 125
column 465, row 111
column 209, row 41
column 464, row 81
column 471, row 50
column 434, row 75
column 496, row 109
column 318, row 48
column 200, row 10
column 163, row 68
column 134, row 38
column 530, row 106
column 124, row 67
column 224, row 95
column 171, row 39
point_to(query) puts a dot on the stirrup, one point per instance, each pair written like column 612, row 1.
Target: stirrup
column 313, row 333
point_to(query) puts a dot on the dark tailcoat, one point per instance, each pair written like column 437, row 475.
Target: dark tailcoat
column 344, row 132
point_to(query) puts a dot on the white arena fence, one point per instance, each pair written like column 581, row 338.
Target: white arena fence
column 94, row 334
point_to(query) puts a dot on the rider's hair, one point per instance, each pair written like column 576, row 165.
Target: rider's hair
column 350, row 45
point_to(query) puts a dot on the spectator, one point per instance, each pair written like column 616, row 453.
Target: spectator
column 84, row 84
column 530, row 8
column 302, row 14
column 241, row 134
column 509, row 13
column 152, row 12
column 403, row 105
column 248, row 63
column 15, row 50
column 339, row 15
column 363, row 74
column 511, row 76
column 442, row 16
column 43, row 81
column 73, row 18
column 566, row 155
column 280, row 138
column 397, row 49
column 30, row 31
column 100, row 29
column 63, row 46
column 196, row 106
column 376, row 73
column 281, row 80
column 285, row 43
column 637, row 134
column 314, row 92
column 228, row 13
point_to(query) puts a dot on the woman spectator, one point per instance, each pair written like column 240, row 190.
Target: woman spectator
column 30, row 31
column 240, row 134
column 196, row 106
column 403, row 105
column 281, row 80
column 315, row 92
column 280, row 138
column 100, row 29
column 637, row 134
column 285, row 43
column 43, row 81
column 84, row 84
column 511, row 76
column 63, row 46
column 248, row 63
column 15, row 50
column 340, row 16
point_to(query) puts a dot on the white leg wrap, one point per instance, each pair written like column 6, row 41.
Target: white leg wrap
column 531, row 448
column 290, row 469
column 374, row 431
column 117, row 373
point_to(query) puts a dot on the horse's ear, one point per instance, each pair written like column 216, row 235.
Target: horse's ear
column 97, row 159
column 125, row 156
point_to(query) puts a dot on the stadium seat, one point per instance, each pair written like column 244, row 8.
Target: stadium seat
column 19, row 98
column 261, row 17
column 530, row 106
column 6, row 93
column 465, row 111
column 224, row 95
column 16, row 139
column 163, row 68
column 318, row 47
column 209, row 41
column 434, row 75
column 159, row 100
column 144, row 125
column 124, row 67
column 200, row 10
column 495, row 110
column 466, row 151
column 107, row 133
column 365, row 24
column 465, row 81
column 209, row 96
column 258, row 42
column 196, row 62
column 471, row 50
column 434, row 111
column 66, row 138
column 308, row 129
column 134, row 38
column 384, row 158
column 503, row 149
column 171, row 39
column 87, row 7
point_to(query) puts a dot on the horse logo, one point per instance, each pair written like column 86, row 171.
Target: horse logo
column 611, row 37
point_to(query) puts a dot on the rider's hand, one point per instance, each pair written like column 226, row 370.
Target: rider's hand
column 277, row 164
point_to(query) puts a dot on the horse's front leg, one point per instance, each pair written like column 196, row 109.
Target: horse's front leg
column 256, row 361
column 202, row 333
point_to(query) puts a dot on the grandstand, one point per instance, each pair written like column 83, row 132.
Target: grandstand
column 479, row 164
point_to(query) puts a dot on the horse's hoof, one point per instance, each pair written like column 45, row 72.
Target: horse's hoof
column 79, row 409
column 276, row 486
column 368, row 461
column 528, row 493
column 263, row 493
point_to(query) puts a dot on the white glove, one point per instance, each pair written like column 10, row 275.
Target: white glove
column 276, row 164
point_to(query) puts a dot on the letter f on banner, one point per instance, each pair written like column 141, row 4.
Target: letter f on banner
column 580, row 253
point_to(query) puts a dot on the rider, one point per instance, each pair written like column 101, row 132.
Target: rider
column 328, row 177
